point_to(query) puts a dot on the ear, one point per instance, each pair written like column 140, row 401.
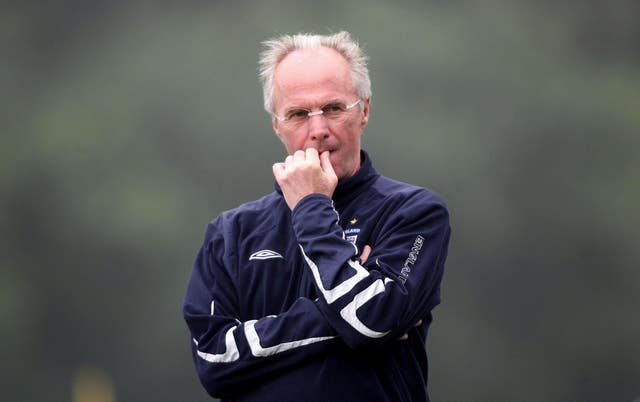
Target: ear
column 274, row 125
column 366, row 108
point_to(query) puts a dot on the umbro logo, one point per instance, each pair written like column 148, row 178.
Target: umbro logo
column 264, row 255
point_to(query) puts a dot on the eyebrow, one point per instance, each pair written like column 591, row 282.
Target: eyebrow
column 335, row 100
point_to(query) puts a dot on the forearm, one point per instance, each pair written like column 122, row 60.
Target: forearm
column 229, row 354
column 373, row 304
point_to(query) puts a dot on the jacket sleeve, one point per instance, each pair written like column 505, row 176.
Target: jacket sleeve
column 399, row 284
column 229, row 353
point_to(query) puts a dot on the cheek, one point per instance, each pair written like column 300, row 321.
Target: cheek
column 290, row 142
column 352, row 139
column 296, row 144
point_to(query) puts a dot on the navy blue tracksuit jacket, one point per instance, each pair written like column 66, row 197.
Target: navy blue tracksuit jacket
column 280, row 308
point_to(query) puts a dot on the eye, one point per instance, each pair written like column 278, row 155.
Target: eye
column 334, row 108
column 297, row 114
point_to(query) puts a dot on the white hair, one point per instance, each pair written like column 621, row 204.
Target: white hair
column 275, row 50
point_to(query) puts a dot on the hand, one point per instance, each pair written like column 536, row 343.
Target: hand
column 305, row 173
column 366, row 250
column 406, row 336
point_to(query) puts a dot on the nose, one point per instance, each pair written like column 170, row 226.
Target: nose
column 318, row 128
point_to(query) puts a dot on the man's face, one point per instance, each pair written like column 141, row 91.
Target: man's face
column 310, row 79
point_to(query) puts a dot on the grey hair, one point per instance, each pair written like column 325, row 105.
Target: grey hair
column 276, row 49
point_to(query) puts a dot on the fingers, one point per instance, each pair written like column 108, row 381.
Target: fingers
column 278, row 170
column 325, row 163
column 406, row 336
column 366, row 250
column 300, row 156
column 312, row 155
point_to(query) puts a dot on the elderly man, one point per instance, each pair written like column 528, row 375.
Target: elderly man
column 323, row 289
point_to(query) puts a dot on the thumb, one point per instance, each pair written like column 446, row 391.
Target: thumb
column 325, row 163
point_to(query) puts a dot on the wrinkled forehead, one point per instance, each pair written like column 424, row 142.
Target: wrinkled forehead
column 312, row 75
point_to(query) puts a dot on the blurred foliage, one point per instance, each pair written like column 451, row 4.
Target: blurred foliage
column 128, row 125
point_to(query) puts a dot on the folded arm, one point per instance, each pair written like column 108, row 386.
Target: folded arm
column 399, row 285
column 229, row 353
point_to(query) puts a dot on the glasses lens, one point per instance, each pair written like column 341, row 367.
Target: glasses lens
column 334, row 111
column 296, row 115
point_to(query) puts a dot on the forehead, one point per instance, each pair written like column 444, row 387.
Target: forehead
column 312, row 76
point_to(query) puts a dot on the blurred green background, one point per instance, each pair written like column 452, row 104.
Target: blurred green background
column 127, row 126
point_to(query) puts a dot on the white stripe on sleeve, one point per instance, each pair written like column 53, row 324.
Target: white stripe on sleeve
column 348, row 313
column 230, row 355
column 331, row 295
column 257, row 350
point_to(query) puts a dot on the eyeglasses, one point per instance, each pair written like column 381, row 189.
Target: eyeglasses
column 333, row 111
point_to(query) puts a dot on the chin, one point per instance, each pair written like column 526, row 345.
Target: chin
column 343, row 174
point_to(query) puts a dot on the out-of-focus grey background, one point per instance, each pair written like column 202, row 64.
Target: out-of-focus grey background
column 127, row 126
